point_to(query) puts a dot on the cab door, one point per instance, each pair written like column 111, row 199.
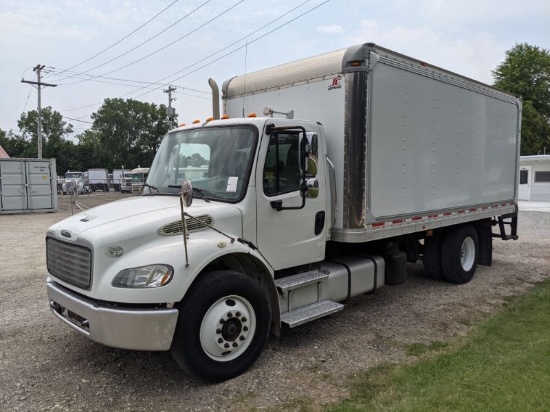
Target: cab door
column 288, row 234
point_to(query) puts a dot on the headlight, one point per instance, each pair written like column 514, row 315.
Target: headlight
column 151, row 276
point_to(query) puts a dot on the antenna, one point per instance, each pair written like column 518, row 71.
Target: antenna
column 244, row 83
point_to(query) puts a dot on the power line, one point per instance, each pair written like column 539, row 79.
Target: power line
column 27, row 102
column 216, row 53
column 169, row 44
column 124, row 38
column 76, row 120
column 238, row 48
column 117, row 79
column 158, row 82
column 230, row 45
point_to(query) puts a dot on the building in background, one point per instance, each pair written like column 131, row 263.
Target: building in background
column 534, row 178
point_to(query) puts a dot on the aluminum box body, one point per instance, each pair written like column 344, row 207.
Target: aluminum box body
column 407, row 139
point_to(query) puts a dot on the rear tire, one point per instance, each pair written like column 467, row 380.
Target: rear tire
column 432, row 255
column 223, row 326
column 460, row 254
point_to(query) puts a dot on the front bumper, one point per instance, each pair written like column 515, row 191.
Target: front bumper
column 125, row 328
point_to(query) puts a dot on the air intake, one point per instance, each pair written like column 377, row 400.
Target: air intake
column 193, row 224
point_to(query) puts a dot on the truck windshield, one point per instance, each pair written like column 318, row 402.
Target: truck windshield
column 217, row 160
column 74, row 175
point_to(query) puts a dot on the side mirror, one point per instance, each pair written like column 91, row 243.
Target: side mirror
column 186, row 192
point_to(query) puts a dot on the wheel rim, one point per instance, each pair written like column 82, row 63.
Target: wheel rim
column 467, row 254
column 228, row 328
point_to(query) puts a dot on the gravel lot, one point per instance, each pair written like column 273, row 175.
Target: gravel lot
column 45, row 366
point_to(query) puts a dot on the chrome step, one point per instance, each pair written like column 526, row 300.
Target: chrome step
column 310, row 312
column 302, row 279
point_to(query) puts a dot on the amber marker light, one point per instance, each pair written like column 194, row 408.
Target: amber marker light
column 225, row 117
column 251, row 115
column 196, row 121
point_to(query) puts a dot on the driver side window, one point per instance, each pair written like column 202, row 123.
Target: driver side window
column 282, row 166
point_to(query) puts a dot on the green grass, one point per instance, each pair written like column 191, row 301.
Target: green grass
column 503, row 366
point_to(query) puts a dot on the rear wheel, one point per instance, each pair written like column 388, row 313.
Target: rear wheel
column 459, row 254
column 223, row 326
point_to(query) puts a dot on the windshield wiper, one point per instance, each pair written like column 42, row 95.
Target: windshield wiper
column 196, row 190
column 151, row 187
column 201, row 194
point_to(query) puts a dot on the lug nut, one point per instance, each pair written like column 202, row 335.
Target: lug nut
column 241, row 337
column 220, row 340
column 245, row 328
column 226, row 345
column 235, row 344
column 238, row 314
column 218, row 331
column 243, row 319
column 229, row 315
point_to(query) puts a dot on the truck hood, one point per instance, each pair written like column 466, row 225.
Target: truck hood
column 137, row 216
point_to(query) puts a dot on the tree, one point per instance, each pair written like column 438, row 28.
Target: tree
column 130, row 131
column 16, row 145
column 526, row 72
column 54, row 130
column 55, row 133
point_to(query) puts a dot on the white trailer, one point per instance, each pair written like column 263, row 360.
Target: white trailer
column 118, row 179
column 98, row 179
column 394, row 161
column 27, row 185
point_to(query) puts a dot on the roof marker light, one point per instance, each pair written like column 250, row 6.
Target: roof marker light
column 196, row 121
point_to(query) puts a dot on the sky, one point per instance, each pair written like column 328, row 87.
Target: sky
column 98, row 49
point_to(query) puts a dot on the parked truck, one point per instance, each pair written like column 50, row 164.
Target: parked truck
column 98, row 179
column 75, row 182
column 396, row 161
column 118, row 179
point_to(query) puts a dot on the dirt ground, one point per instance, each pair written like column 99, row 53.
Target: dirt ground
column 45, row 366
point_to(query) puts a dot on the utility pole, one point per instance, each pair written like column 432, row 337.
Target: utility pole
column 170, row 112
column 39, row 84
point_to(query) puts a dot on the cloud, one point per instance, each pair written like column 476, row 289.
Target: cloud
column 332, row 29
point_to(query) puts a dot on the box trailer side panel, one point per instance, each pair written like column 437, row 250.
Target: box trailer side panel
column 451, row 143
column 406, row 138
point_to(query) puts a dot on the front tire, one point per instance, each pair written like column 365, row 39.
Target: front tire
column 460, row 254
column 223, row 326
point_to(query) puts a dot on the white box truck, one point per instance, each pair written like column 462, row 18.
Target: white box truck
column 98, row 179
column 118, row 178
column 396, row 161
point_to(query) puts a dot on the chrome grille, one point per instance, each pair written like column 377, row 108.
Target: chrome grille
column 176, row 228
column 70, row 263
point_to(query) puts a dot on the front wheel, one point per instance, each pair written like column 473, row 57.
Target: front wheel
column 223, row 326
column 459, row 254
